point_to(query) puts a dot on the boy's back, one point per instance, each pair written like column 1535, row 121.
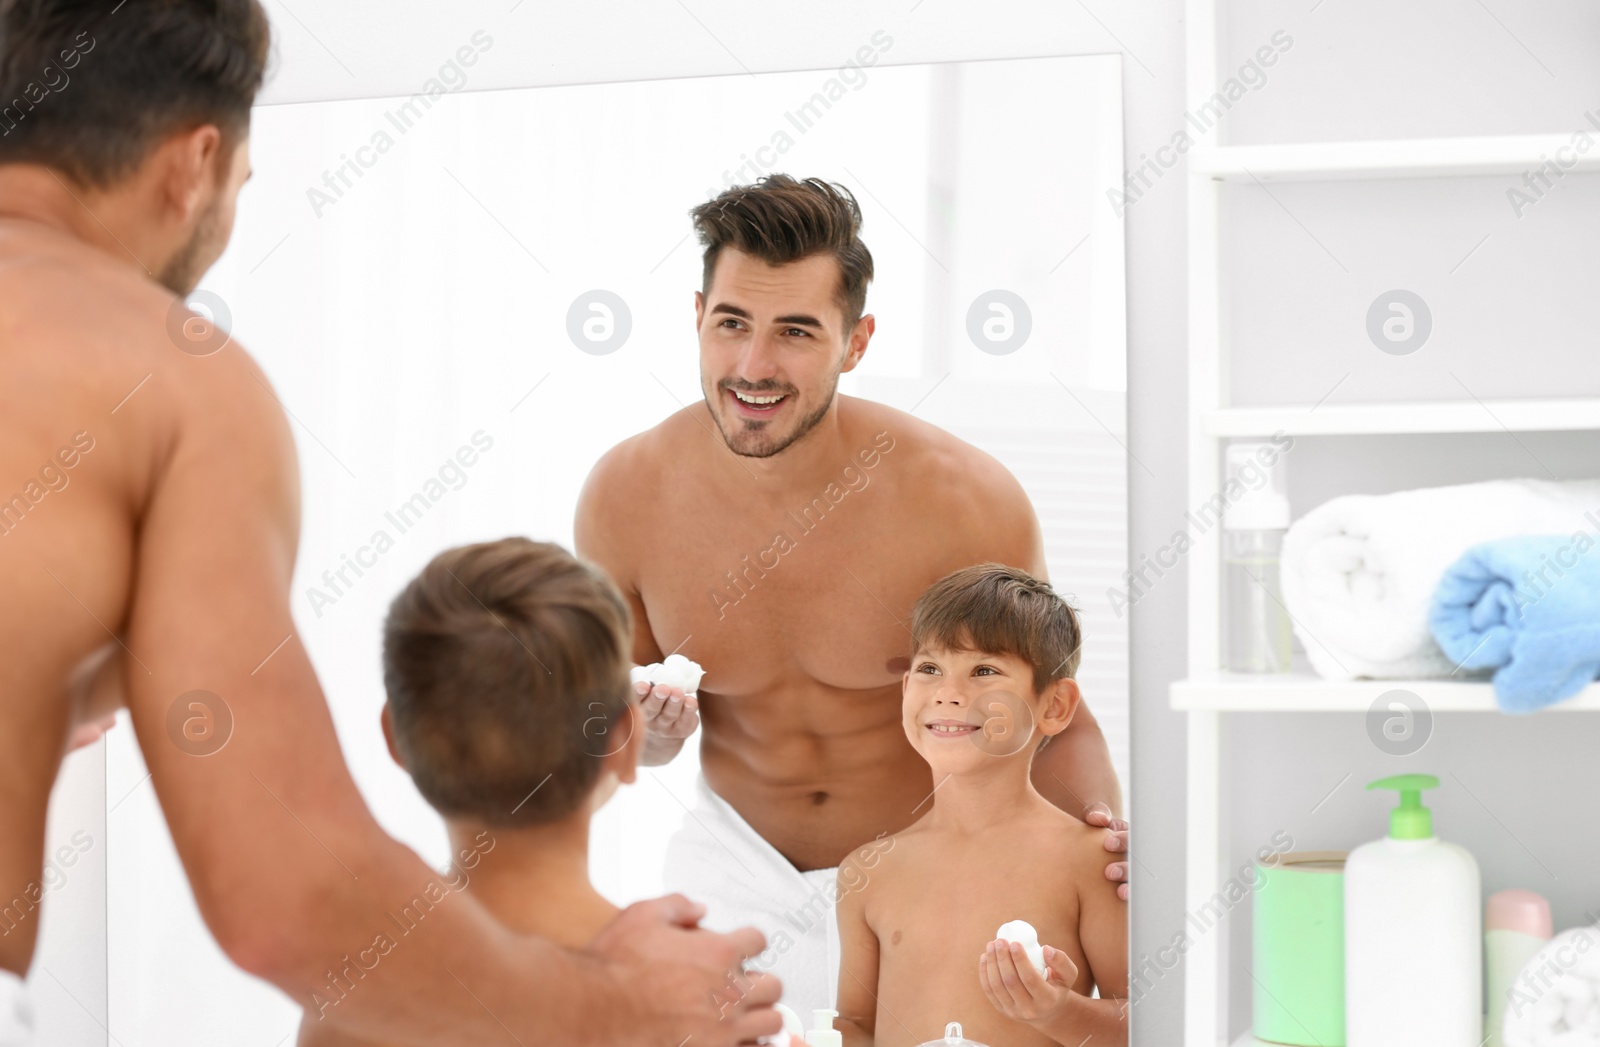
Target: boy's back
column 509, row 702
column 934, row 897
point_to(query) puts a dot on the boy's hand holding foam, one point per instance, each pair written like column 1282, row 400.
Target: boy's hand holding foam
column 671, row 707
column 1026, row 981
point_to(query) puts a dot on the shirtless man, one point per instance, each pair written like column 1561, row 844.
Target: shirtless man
column 779, row 534
column 149, row 516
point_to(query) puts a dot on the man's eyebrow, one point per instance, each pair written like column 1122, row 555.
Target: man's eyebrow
column 797, row 320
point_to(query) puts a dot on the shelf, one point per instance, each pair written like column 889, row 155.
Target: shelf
column 1225, row 693
column 1428, row 416
column 1393, row 158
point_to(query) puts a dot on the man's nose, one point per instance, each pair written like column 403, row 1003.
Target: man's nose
column 759, row 361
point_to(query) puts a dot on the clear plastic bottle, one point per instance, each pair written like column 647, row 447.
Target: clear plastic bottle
column 1255, row 625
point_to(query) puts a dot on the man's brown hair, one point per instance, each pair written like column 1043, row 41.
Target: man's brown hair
column 506, row 665
column 88, row 87
column 780, row 220
column 1000, row 610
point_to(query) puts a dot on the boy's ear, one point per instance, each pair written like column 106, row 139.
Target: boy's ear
column 388, row 737
column 624, row 761
column 1061, row 704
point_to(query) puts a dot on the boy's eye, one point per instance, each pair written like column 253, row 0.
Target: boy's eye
column 927, row 667
column 984, row 669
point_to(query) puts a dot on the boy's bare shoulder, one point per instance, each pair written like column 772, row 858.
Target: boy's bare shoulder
column 1062, row 839
column 884, row 857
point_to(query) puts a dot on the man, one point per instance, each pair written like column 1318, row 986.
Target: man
column 151, row 512
column 779, row 534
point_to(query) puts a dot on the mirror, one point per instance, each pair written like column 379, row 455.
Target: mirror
column 515, row 271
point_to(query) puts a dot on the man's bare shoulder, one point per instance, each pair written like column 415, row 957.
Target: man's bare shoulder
column 172, row 400
column 90, row 325
column 927, row 451
column 932, row 470
column 636, row 471
column 643, row 462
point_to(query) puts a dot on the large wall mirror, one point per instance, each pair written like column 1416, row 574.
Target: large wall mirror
column 514, row 271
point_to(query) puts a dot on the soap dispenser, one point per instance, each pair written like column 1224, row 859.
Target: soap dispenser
column 1413, row 933
column 824, row 1034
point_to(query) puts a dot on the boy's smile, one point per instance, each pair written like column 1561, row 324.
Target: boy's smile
column 973, row 697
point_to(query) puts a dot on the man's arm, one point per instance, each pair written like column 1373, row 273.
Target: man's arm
column 289, row 869
column 1074, row 770
column 858, row 953
column 670, row 715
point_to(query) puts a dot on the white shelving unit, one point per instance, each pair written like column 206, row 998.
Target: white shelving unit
column 1312, row 694
column 1207, row 694
column 1391, row 158
column 1431, row 416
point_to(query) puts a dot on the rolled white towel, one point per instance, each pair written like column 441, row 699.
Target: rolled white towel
column 675, row 671
column 1555, row 1002
column 1359, row 572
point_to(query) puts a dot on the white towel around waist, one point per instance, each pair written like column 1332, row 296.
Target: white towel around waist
column 718, row 859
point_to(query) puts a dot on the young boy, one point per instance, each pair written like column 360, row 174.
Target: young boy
column 506, row 666
column 994, row 651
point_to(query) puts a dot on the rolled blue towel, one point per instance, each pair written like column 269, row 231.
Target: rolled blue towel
column 1528, row 608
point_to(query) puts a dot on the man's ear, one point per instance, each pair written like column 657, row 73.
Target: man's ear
column 193, row 167
column 387, row 719
column 699, row 309
column 858, row 342
column 1061, row 704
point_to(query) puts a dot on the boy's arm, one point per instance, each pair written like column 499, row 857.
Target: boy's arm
column 1017, row 989
column 858, row 955
column 1103, row 936
column 1103, row 929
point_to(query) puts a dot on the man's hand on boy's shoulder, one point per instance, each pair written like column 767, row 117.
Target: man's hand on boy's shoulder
column 1116, row 841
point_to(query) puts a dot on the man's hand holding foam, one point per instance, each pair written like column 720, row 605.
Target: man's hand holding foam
column 667, row 694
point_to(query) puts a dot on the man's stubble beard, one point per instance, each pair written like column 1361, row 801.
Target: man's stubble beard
column 807, row 424
column 182, row 273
